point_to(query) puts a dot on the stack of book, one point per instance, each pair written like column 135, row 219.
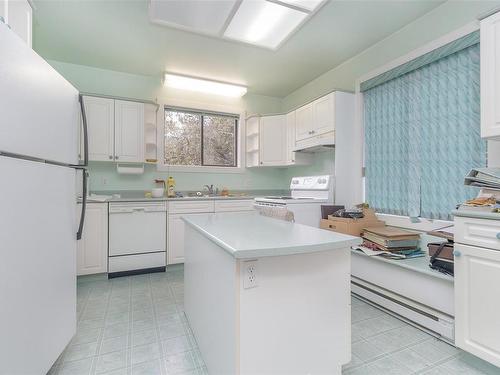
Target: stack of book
column 402, row 243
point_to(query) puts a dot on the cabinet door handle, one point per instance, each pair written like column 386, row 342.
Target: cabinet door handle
column 457, row 253
column 116, row 157
column 498, row 235
column 110, row 157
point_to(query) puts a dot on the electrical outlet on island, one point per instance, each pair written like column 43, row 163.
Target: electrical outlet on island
column 250, row 279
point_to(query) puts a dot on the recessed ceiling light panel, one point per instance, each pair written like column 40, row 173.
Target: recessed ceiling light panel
column 208, row 17
column 263, row 23
column 203, row 85
column 309, row 5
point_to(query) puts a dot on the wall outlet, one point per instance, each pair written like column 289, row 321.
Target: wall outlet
column 250, row 279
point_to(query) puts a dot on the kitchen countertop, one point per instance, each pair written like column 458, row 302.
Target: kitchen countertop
column 250, row 235
column 478, row 214
column 139, row 196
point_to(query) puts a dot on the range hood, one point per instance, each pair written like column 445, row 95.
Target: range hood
column 317, row 143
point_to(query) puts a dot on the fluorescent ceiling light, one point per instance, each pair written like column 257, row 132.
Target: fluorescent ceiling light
column 263, row 23
column 203, row 85
column 309, row 5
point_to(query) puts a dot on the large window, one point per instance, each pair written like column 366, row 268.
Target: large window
column 200, row 139
column 422, row 136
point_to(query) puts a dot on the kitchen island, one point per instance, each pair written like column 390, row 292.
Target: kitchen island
column 265, row 296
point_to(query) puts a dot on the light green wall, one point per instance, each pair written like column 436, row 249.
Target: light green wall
column 105, row 177
column 444, row 19
column 323, row 163
column 107, row 82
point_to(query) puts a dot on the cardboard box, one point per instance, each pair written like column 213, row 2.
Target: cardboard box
column 354, row 227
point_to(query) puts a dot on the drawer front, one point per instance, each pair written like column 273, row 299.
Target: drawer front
column 190, row 207
column 478, row 232
column 234, row 205
column 137, row 262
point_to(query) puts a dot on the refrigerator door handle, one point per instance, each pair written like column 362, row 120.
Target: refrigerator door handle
column 85, row 133
column 84, row 205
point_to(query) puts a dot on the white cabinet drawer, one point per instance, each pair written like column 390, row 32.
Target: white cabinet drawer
column 477, row 232
column 190, row 207
column 137, row 262
column 234, row 205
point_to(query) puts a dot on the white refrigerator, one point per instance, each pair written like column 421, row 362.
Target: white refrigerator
column 39, row 137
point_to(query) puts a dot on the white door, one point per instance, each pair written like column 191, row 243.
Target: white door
column 304, row 122
column 290, row 137
column 100, row 113
column 477, row 302
column 92, row 251
column 38, row 264
column 39, row 108
column 490, row 76
column 175, row 249
column 129, row 131
column 324, row 114
column 273, row 140
column 20, row 18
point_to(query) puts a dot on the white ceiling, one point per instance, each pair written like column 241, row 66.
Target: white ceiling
column 118, row 35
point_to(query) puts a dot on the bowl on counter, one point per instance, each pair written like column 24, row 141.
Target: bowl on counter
column 157, row 192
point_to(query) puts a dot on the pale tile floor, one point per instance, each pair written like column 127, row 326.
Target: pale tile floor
column 135, row 325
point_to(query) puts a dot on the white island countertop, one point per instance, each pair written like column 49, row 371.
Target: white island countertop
column 251, row 235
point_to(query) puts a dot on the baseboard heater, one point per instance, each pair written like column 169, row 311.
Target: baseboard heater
column 434, row 322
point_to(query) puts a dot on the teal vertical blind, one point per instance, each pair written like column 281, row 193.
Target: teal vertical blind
column 422, row 136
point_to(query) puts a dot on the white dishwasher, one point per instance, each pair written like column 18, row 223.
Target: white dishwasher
column 137, row 238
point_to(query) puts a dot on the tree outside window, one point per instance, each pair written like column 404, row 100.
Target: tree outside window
column 200, row 139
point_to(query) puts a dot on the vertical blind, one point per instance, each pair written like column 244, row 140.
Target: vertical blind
column 422, row 136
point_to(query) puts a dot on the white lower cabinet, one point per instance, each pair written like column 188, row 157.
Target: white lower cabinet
column 477, row 301
column 175, row 251
column 179, row 209
column 234, row 205
column 92, row 251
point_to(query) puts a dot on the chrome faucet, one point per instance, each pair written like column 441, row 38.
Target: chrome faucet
column 210, row 189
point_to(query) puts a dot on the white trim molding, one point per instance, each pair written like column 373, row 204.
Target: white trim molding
column 160, row 167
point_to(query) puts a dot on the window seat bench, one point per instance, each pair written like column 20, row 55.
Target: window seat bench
column 408, row 288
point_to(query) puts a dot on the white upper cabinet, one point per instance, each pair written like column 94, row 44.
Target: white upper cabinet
column 303, row 122
column 19, row 16
column 490, row 77
column 290, row 137
column 323, row 115
column 115, row 129
column 100, row 113
column 315, row 118
column 129, row 131
column 273, row 140
column 292, row 157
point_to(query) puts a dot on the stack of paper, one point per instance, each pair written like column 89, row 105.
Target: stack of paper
column 396, row 241
column 488, row 178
